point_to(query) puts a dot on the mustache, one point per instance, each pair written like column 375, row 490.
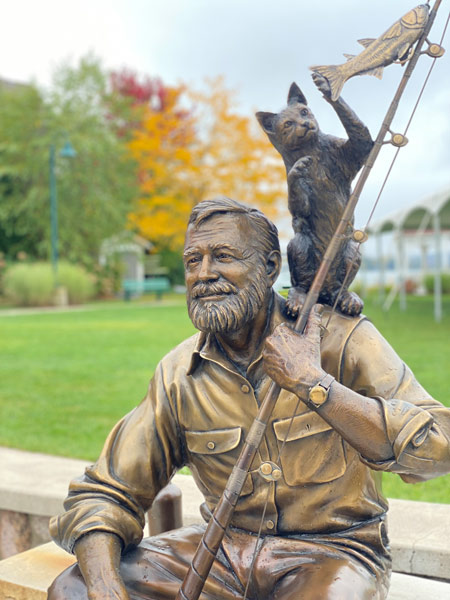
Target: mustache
column 201, row 289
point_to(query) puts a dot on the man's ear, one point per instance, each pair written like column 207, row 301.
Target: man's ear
column 273, row 266
column 296, row 95
column 267, row 121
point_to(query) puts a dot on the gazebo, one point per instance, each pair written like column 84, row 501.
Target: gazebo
column 431, row 215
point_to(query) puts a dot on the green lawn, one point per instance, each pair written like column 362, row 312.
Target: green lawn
column 67, row 377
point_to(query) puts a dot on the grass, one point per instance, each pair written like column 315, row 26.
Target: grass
column 67, row 377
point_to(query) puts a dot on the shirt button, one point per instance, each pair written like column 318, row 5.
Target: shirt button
column 245, row 388
column 270, row 524
column 266, row 468
column 210, row 445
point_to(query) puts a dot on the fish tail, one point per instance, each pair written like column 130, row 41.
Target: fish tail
column 334, row 76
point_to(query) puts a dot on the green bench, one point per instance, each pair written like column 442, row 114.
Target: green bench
column 158, row 285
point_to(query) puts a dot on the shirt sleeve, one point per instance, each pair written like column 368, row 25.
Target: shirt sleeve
column 416, row 425
column 139, row 458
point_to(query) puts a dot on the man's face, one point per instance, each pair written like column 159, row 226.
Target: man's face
column 225, row 273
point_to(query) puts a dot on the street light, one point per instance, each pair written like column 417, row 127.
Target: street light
column 67, row 151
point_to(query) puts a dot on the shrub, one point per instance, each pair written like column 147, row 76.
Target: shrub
column 32, row 284
column 445, row 281
column 80, row 285
column 29, row 284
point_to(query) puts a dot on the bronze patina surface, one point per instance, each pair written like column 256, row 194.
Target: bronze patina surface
column 286, row 431
column 323, row 533
column 320, row 169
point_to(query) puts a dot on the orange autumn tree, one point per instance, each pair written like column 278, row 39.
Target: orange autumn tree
column 196, row 146
column 163, row 148
column 234, row 156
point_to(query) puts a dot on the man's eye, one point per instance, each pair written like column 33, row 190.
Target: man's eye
column 223, row 256
column 193, row 260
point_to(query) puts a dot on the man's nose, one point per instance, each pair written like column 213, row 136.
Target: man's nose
column 207, row 270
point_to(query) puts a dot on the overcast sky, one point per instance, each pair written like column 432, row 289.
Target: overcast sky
column 260, row 47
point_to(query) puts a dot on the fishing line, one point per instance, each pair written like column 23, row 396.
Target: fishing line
column 419, row 98
column 334, row 307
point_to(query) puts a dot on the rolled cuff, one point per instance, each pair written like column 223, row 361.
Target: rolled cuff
column 96, row 515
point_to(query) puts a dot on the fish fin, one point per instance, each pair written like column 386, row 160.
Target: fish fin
column 403, row 51
column 366, row 41
column 334, row 76
column 393, row 32
column 349, row 56
column 378, row 72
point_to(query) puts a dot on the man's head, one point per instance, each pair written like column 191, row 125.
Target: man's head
column 232, row 258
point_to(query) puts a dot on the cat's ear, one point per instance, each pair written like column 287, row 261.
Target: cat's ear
column 267, row 121
column 296, row 95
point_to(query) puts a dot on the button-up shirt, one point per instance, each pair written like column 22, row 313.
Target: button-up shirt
column 198, row 411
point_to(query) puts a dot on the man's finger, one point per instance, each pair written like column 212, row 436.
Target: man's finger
column 312, row 329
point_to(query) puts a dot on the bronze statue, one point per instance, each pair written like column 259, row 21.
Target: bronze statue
column 395, row 44
column 292, row 484
column 360, row 412
column 320, row 169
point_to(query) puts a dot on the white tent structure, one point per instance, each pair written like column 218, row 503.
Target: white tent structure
column 431, row 215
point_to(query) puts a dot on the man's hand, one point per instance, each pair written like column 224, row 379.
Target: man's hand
column 291, row 359
column 98, row 556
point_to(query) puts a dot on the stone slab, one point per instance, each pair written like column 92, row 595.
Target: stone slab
column 27, row 576
column 408, row 587
column 35, row 483
column 420, row 538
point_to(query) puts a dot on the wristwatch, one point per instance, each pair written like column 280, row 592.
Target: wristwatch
column 318, row 393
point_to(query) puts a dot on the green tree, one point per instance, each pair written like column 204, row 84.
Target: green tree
column 96, row 189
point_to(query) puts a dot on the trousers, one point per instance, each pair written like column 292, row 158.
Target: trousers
column 293, row 567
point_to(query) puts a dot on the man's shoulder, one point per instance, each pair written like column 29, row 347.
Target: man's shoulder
column 180, row 357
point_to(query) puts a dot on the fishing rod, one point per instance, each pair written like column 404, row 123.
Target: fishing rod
column 205, row 555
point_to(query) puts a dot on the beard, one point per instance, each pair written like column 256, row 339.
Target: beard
column 231, row 313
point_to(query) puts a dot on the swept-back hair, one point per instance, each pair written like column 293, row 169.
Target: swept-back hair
column 266, row 231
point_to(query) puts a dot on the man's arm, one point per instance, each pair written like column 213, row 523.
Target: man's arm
column 105, row 508
column 98, row 555
column 408, row 434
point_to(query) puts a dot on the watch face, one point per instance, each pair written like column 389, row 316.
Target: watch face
column 318, row 395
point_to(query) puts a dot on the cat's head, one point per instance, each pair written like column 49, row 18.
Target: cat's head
column 292, row 127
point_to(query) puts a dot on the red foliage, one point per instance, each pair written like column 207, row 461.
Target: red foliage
column 149, row 90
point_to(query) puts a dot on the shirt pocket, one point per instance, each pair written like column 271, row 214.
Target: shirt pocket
column 213, row 456
column 314, row 451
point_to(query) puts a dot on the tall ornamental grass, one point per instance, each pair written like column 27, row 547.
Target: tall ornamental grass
column 32, row 284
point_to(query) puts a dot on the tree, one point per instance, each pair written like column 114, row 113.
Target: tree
column 95, row 190
column 186, row 155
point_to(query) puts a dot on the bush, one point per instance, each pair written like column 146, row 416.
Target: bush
column 445, row 281
column 29, row 284
column 80, row 285
column 32, row 284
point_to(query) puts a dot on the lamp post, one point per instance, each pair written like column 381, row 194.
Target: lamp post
column 67, row 151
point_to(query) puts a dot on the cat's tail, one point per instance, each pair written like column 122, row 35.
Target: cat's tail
column 335, row 78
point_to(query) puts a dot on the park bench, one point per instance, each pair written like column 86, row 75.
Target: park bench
column 133, row 287
column 33, row 486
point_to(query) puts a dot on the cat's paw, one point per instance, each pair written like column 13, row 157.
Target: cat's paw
column 350, row 304
column 300, row 167
column 322, row 84
column 294, row 302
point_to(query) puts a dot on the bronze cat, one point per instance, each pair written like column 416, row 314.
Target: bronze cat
column 320, row 169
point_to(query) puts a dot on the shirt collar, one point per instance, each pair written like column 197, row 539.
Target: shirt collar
column 207, row 347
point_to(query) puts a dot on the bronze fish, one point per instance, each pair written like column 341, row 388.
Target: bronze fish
column 394, row 44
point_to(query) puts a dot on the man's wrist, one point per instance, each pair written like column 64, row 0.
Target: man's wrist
column 318, row 394
column 304, row 386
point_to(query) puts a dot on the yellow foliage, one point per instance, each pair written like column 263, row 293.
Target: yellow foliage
column 185, row 156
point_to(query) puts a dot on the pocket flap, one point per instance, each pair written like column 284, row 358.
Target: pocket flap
column 213, row 441
column 302, row 426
